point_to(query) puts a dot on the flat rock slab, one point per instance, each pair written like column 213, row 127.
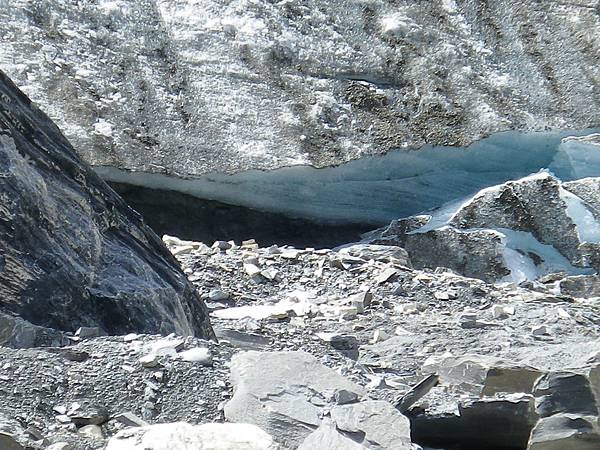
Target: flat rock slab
column 282, row 392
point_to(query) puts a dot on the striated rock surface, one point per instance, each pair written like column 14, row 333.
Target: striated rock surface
column 73, row 253
column 188, row 87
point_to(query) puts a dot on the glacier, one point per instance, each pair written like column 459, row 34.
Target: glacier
column 376, row 190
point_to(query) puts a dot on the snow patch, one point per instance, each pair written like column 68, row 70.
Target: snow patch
column 587, row 226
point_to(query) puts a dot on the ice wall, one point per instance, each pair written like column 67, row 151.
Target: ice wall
column 375, row 190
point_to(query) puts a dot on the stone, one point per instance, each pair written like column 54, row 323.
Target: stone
column 88, row 414
column 60, row 446
column 129, row 419
column 258, row 312
column 327, row 437
column 7, row 442
column 217, row 295
column 483, row 375
column 339, row 341
column 384, row 253
column 200, row 355
column 379, row 422
column 273, row 391
column 76, row 226
column 502, row 311
column 222, row 245
column 565, row 431
column 18, row 333
column 417, row 392
column 89, row 332
column 565, row 392
column 539, row 330
column 149, row 361
column 92, row 432
column 344, row 396
column 183, row 436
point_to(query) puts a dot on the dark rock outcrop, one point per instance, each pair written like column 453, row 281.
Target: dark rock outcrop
column 73, row 253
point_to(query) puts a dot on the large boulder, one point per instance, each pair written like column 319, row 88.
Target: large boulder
column 284, row 393
column 73, row 253
column 187, row 87
column 519, row 230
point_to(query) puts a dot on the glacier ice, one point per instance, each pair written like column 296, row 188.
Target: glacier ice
column 375, row 190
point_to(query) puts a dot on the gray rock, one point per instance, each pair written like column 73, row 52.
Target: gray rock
column 273, row 391
column 18, row 333
column 129, row 419
column 327, row 437
column 484, row 375
column 565, row 392
column 385, row 253
column 565, row 431
column 7, row 442
column 382, row 425
column 583, row 286
column 74, row 254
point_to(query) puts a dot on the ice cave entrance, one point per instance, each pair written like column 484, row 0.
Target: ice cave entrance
column 325, row 207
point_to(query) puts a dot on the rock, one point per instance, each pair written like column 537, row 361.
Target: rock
column 384, row 253
column 89, row 332
column 273, row 391
column 258, row 312
column 96, row 263
column 339, row 341
column 60, row 446
column 18, row 333
column 516, row 231
column 92, row 432
column 343, row 397
column 217, row 295
column 539, row 330
column 582, row 286
column 88, row 414
column 7, row 442
column 502, row 311
column 198, row 355
column 149, row 361
column 483, row 375
column 327, row 437
column 565, row 392
column 129, row 419
column 417, row 392
column 183, row 436
column 565, row 431
column 380, row 423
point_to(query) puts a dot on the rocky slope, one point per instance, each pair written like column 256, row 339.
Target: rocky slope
column 344, row 349
column 73, row 253
column 189, row 87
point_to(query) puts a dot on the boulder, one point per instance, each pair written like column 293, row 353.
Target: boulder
column 565, row 431
column 565, row 392
column 378, row 421
column 74, row 254
column 183, row 436
column 283, row 393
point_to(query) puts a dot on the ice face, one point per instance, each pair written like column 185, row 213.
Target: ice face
column 376, row 190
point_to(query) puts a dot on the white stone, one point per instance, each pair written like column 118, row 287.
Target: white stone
column 183, row 436
column 198, row 355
